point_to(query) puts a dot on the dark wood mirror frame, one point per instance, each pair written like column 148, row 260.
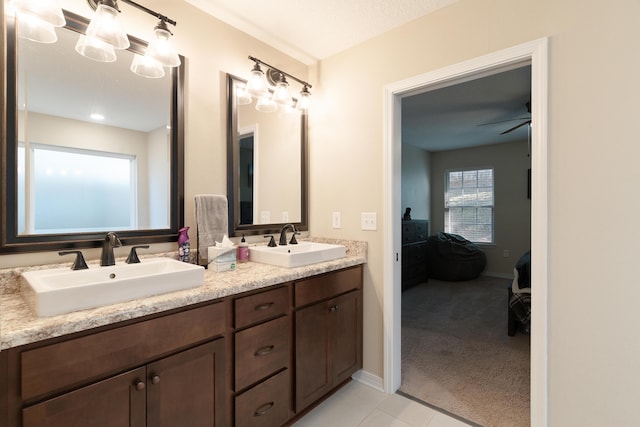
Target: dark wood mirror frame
column 10, row 241
column 233, row 191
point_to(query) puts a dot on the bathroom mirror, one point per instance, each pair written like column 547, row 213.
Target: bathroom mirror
column 266, row 166
column 89, row 147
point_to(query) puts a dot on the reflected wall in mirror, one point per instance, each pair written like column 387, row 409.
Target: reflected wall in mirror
column 90, row 147
column 266, row 167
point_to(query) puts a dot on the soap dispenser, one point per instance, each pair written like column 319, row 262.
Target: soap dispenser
column 243, row 250
column 184, row 247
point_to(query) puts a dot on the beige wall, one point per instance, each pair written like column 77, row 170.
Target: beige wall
column 416, row 183
column 594, row 345
column 512, row 209
column 594, row 66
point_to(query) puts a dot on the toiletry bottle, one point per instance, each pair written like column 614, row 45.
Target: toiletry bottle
column 243, row 250
column 184, row 247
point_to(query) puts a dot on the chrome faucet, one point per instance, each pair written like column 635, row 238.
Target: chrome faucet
column 283, row 235
column 111, row 240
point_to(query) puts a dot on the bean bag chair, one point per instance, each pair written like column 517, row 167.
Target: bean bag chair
column 453, row 258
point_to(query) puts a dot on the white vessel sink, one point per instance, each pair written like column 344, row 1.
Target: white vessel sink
column 304, row 253
column 61, row 290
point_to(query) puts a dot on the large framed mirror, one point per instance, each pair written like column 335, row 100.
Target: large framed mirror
column 266, row 166
column 87, row 147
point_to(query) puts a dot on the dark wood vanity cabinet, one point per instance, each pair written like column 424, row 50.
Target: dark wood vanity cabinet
column 255, row 359
column 165, row 371
column 328, row 333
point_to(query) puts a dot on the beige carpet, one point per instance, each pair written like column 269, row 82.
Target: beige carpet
column 457, row 356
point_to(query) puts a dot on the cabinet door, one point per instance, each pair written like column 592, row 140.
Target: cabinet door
column 116, row 402
column 313, row 373
column 187, row 389
column 328, row 346
column 346, row 326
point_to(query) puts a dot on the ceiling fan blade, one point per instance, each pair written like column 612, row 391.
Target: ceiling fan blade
column 516, row 127
column 503, row 121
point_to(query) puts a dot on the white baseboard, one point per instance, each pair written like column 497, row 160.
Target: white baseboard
column 368, row 379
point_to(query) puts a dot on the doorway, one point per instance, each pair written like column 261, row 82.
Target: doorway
column 535, row 54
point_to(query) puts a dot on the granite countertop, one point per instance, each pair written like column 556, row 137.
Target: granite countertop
column 19, row 325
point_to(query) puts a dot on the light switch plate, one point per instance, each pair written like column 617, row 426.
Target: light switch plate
column 336, row 220
column 369, row 221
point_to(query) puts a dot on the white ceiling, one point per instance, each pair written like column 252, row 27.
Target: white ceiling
column 311, row 30
column 443, row 119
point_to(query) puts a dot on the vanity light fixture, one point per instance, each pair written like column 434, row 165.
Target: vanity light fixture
column 38, row 19
column 104, row 34
column 257, row 83
column 282, row 89
column 258, row 87
column 305, row 96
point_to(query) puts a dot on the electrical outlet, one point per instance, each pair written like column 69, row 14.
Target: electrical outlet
column 336, row 221
column 505, row 253
column 368, row 221
column 285, row 216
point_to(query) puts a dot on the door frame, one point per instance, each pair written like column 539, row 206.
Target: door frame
column 534, row 53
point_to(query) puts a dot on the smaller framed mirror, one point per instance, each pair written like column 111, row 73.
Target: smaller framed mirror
column 266, row 166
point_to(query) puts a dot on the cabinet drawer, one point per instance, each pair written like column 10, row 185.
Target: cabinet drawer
column 260, row 351
column 266, row 404
column 78, row 361
column 262, row 306
column 327, row 285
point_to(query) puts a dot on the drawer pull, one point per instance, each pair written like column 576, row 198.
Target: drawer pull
column 264, row 350
column 140, row 385
column 264, row 306
column 333, row 308
column 262, row 410
column 155, row 379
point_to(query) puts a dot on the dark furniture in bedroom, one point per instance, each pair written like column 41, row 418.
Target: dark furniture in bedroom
column 414, row 252
column 453, row 258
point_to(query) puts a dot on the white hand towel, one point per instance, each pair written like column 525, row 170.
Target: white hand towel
column 212, row 221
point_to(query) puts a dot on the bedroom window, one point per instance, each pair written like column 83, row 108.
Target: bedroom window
column 468, row 204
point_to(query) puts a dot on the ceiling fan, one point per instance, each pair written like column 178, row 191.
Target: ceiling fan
column 527, row 120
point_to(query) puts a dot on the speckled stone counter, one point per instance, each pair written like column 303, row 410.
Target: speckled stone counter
column 19, row 326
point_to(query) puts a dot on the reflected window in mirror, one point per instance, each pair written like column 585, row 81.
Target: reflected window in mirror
column 266, row 166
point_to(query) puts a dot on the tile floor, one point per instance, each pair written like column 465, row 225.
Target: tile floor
column 358, row 405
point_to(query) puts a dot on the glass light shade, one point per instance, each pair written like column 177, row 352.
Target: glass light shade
column 44, row 10
column 266, row 104
column 282, row 90
column 257, row 83
column 162, row 50
column 244, row 98
column 34, row 29
column 147, row 67
column 305, row 99
column 105, row 26
column 95, row 49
